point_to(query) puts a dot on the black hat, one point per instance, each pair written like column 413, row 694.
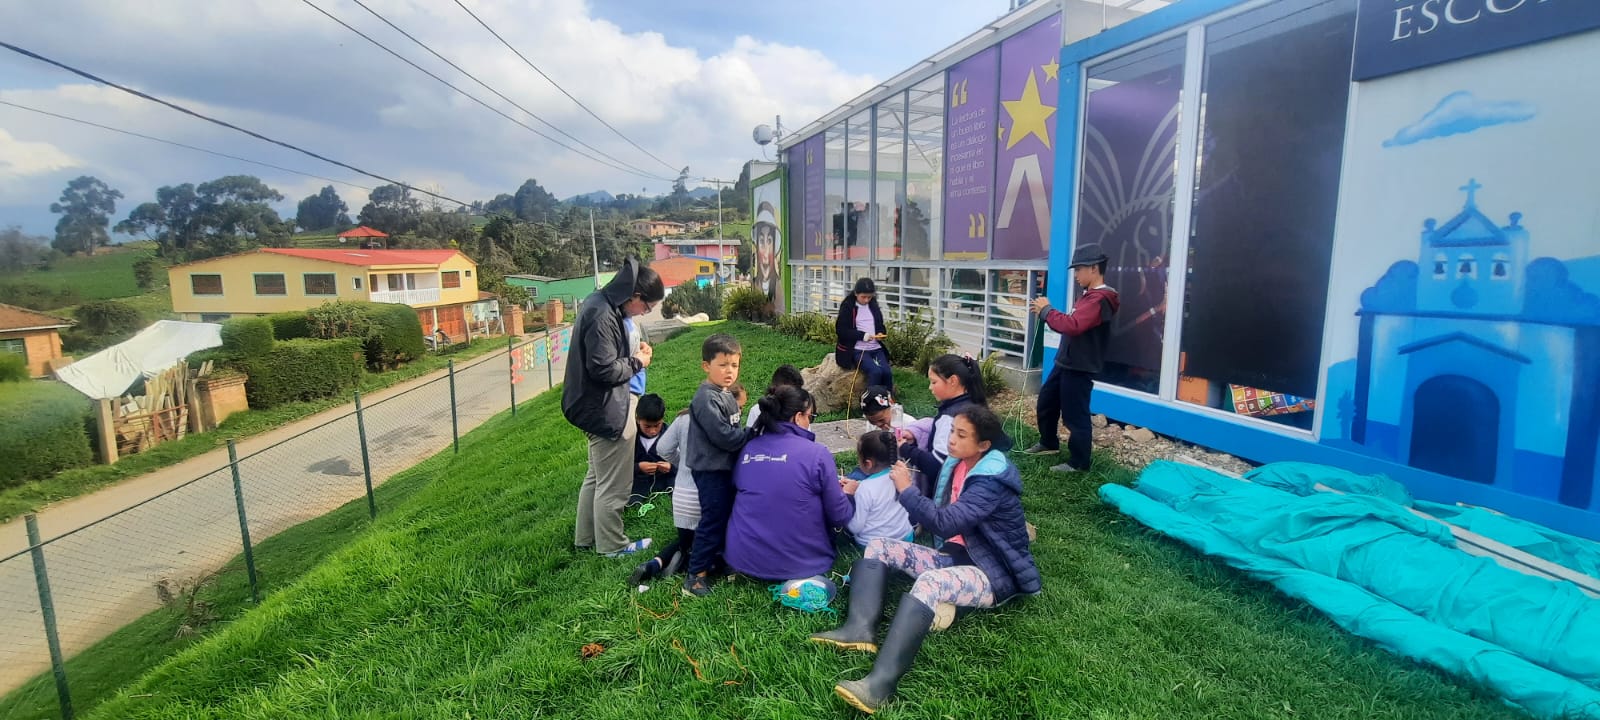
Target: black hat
column 1088, row 254
column 875, row 400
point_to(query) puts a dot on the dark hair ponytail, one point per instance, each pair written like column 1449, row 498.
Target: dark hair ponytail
column 878, row 446
column 964, row 368
column 781, row 406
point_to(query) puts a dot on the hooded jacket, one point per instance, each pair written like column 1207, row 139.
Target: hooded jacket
column 844, row 327
column 988, row 517
column 1087, row 327
column 594, row 397
column 927, row 455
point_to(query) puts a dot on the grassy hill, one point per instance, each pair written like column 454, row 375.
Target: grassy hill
column 106, row 275
column 467, row 600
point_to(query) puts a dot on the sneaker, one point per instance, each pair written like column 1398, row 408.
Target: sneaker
column 1038, row 449
column 1066, row 467
column 647, row 570
column 631, row 548
column 696, row 586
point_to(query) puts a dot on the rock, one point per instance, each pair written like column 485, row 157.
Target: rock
column 831, row 386
column 1099, row 421
column 695, row 318
column 1140, row 435
column 1108, row 435
column 660, row 331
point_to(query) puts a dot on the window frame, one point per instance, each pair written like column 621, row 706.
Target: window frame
column 444, row 284
column 255, row 281
column 195, row 291
column 305, row 284
column 21, row 347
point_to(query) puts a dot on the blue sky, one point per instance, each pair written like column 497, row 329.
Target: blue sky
column 685, row 79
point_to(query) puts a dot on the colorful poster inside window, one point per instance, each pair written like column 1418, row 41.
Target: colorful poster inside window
column 795, row 166
column 767, row 237
column 970, row 137
column 812, row 229
column 1029, row 89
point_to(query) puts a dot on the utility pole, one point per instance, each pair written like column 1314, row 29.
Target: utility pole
column 722, row 253
column 594, row 247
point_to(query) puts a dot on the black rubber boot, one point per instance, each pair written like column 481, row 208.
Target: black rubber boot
column 860, row 628
column 906, row 633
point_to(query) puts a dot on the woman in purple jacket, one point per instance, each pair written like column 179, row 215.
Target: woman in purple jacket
column 787, row 495
column 981, row 556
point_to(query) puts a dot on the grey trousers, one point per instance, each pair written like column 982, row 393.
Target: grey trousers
column 605, row 488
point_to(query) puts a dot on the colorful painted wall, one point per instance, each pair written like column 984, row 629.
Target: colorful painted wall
column 1463, row 326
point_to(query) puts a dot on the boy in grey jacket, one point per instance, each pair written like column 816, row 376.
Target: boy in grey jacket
column 715, row 439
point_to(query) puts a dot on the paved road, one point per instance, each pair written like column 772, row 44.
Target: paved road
column 110, row 573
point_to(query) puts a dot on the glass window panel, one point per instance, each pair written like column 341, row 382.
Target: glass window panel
column 964, row 316
column 920, row 221
column 1126, row 199
column 271, row 284
column 450, row 279
column 857, row 215
column 1009, row 316
column 321, row 284
column 889, row 175
column 833, row 191
column 794, row 208
column 1266, row 189
column 206, row 284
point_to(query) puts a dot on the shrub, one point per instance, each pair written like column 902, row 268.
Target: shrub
column 812, row 326
column 290, row 325
column 908, row 338
column 35, row 296
column 147, row 272
column 390, row 333
column 747, row 303
column 993, row 380
column 247, row 337
column 43, row 430
column 302, row 370
column 339, row 319
column 108, row 318
column 13, row 368
column 693, row 300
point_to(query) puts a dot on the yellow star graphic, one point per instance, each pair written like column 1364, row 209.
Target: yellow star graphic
column 1028, row 115
column 1051, row 68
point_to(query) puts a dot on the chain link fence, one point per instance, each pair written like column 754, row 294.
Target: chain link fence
column 63, row 594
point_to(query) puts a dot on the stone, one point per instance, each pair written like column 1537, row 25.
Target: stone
column 840, row 435
column 1099, row 421
column 1139, row 434
column 831, row 386
column 695, row 318
column 1108, row 435
column 660, row 331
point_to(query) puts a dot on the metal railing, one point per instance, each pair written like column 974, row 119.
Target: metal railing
column 62, row 594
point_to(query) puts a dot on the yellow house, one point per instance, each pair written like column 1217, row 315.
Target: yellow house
column 441, row 284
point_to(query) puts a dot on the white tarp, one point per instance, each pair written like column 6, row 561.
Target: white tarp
column 110, row 372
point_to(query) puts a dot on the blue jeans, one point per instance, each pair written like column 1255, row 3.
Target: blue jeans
column 875, row 368
column 716, row 505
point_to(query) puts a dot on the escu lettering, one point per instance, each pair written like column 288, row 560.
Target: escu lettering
column 1414, row 19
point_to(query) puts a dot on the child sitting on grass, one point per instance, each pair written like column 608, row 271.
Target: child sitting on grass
column 878, row 514
column 651, row 472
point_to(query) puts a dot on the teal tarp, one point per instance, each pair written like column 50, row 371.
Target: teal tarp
column 1385, row 574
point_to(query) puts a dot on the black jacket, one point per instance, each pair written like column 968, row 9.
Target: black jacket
column 845, row 328
column 600, row 363
column 645, row 484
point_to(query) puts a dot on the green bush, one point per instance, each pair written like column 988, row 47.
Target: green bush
column 13, row 368
column 938, row 345
column 390, row 333
column 290, row 325
column 148, row 272
column 993, row 380
column 909, row 338
column 108, row 317
column 247, row 337
column 43, row 430
column 302, row 370
column 812, row 326
column 36, row 296
column 747, row 303
column 692, row 300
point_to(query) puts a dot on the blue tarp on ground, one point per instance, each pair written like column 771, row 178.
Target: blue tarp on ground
column 1385, row 574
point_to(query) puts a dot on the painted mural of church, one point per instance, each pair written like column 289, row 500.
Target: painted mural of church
column 1479, row 361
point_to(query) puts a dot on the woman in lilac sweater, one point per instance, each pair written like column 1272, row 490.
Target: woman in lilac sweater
column 787, row 495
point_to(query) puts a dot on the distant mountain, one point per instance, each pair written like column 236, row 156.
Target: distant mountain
column 703, row 193
column 598, row 197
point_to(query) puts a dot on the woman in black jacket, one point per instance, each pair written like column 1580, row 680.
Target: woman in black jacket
column 860, row 332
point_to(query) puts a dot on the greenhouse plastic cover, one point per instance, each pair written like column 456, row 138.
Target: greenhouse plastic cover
column 1386, row 574
column 110, row 372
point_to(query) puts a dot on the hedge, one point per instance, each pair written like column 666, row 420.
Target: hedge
column 247, row 337
column 43, row 430
column 391, row 334
column 301, row 370
column 13, row 368
column 290, row 325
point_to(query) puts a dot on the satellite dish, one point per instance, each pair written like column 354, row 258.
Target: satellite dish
column 763, row 135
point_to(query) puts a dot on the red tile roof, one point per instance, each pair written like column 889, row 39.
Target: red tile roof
column 16, row 318
column 367, row 258
column 362, row 232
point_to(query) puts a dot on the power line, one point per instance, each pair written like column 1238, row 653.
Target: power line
column 563, row 90
column 497, row 93
column 89, row 76
column 81, row 121
column 472, row 97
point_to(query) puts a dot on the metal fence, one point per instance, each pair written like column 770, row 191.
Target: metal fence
column 59, row 596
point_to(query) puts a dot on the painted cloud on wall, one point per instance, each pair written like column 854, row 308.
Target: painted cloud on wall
column 1462, row 112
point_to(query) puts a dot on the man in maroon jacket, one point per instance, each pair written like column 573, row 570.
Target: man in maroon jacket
column 1085, row 331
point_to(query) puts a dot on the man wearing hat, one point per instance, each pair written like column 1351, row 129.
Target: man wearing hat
column 1085, row 331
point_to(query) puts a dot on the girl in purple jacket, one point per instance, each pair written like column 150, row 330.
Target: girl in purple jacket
column 981, row 556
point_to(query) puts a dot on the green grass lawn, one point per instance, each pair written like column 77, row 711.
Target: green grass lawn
column 466, row 600
column 67, row 484
column 106, row 275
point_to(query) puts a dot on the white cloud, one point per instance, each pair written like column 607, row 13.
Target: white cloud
column 19, row 159
column 284, row 70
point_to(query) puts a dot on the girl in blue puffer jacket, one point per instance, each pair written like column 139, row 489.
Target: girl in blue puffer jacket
column 981, row 556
